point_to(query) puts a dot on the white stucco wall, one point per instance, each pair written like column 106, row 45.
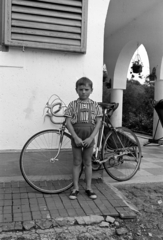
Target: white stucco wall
column 29, row 78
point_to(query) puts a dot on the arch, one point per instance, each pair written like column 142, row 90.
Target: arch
column 122, row 65
column 120, row 73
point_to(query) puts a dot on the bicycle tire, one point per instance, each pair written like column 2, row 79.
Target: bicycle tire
column 124, row 167
column 37, row 165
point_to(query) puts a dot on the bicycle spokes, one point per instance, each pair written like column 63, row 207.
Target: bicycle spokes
column 46, row 161
column 123, row 151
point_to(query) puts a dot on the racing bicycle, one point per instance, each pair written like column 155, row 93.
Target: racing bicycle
column 46, row 158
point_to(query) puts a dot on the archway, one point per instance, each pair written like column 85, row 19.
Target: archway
column 118, row 81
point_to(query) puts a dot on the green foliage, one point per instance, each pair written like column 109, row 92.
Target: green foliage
column 137, row 108
column 106, row 93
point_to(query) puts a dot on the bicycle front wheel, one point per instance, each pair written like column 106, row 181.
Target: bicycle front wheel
column 123, row 151
column 46, row 163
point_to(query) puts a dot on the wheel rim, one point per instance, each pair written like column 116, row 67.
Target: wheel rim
column 124, row 167
column 38, row 164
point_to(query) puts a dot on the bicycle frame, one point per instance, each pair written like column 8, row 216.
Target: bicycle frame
column 61, row 132
column 53, row 112
column 100, row 138
column 100, row 135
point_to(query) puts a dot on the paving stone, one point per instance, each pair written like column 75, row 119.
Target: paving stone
column 8, row 196
column 80, row 212
column 127, row 214
column 7, row 203
column 71, row 212
column 27, row 216
column 36, row 215
column 18, row 226
column 104, row 224
column 96, row 219
column 7, row 217
column 63, row 221
column 43, row 224
column 110, row 219
column 89, row 219
column 7, row 209
column 8, row 227
column 80, row 220
column 24, row 195
column 16, row 209
column 28, row 225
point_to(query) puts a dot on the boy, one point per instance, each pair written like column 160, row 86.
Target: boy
column 83, row 120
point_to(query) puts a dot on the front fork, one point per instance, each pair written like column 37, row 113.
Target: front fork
column 61, row 133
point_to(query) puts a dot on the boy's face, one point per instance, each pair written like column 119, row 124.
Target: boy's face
column 84, row 91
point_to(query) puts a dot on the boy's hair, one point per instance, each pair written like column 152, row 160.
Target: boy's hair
column 84, row 81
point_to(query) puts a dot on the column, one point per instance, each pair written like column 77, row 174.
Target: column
column 117, row 97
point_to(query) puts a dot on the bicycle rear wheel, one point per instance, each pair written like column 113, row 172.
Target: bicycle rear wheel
column 39, row 167
column 123, row 150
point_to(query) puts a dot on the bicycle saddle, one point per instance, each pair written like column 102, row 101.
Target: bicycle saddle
column 109, row 106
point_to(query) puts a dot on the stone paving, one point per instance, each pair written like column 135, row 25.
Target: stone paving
column 19, row 202
column 77, row 228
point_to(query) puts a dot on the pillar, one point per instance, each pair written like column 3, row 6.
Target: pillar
column 117, row 97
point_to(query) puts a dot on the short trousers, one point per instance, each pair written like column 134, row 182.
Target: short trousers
column 83, row 131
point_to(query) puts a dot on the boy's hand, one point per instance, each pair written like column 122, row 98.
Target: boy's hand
column 87, row 142
column 78, row 141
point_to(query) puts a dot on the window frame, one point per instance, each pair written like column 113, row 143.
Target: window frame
column 41, row 45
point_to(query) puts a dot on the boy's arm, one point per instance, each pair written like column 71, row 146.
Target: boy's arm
column 97, row 127
column 69, row 126
column 88, row 141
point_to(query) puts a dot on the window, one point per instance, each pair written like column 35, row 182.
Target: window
column 46, row 24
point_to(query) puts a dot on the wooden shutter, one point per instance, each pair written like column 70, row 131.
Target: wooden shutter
column 46, row 24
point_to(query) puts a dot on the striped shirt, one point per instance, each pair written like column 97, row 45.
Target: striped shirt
column 73, row 109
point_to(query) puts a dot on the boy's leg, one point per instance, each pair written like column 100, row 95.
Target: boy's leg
column 77, row 161
column 87, row 160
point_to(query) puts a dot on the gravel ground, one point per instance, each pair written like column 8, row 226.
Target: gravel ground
column 148, row 199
